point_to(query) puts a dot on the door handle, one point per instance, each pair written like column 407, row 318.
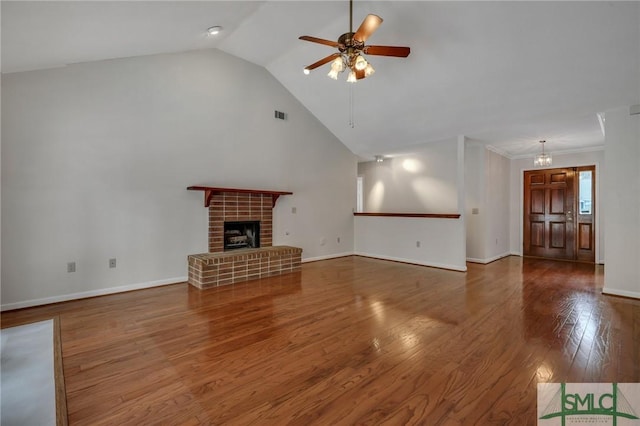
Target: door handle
column 569, row 216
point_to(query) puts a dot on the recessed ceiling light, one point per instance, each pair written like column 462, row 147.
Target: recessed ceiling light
column 214, row 30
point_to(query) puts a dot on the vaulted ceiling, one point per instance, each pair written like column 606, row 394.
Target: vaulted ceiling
column 505, row 74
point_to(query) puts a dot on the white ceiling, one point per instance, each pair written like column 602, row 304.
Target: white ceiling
column 506, row 74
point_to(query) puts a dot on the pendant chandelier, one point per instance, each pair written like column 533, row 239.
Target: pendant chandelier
column 543, row 159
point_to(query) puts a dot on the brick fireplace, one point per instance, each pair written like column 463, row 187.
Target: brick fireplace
column 219, row 267
column 239, row 207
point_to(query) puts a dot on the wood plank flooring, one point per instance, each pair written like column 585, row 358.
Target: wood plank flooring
column 345, row 341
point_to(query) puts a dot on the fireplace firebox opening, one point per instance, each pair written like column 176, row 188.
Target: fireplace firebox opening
column 239, row 235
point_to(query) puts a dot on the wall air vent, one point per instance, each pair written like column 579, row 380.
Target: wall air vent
column 281, row 115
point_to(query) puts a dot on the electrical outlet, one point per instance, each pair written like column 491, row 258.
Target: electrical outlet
column 112, row 263
column 417, row 243
column 338, row 240
column 475, row 210
column 323, row 241
column 71, row 267
column 294, row 210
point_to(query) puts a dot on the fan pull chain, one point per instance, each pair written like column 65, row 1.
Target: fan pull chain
column 352, row 122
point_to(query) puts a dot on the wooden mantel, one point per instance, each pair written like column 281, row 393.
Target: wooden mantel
column 209, row 191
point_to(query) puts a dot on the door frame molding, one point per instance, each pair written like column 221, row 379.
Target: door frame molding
column 520, row 252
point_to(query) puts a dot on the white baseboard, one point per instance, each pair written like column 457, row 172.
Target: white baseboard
column 489, row 260
column 92, row 293
column 327, row 257
column 415, row 262
column 516, row 253
column 625, row 293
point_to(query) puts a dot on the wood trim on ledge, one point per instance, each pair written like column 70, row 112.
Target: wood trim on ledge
column 428, row 215
column 209, row 191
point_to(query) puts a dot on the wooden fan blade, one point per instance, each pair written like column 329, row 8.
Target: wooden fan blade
column 319, row 40
column 368, row 26
column 401, row 52
column 360, row 74
column 323, row 61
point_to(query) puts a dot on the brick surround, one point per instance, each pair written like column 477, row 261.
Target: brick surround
column 233, row 206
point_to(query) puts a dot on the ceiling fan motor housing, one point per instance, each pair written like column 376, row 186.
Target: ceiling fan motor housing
column 347, row 41
column 351, row 49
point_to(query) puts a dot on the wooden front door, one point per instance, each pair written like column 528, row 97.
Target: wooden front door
column 556, row 223
column 548, row 213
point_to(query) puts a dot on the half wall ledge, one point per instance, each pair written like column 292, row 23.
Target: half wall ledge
column 428, row 215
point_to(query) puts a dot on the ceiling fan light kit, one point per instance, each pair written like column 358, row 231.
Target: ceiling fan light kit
column 352, row 49
column 368, row 70
column 337, row 66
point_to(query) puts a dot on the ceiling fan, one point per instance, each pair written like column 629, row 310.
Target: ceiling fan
column 351, row 49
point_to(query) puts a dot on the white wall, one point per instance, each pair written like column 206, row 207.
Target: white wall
column 395, row 238
column 498, row 170
column 424, row 181
column 487, row 191
column 622, row 192
column 96, row 158
column 429, row 180
column 518, row 166
column 476, row 229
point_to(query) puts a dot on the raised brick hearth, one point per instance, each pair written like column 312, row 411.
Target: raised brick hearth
column 208, row 270
column 219, row 267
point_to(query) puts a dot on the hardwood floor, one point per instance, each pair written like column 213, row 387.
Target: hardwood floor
column 346, row 341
